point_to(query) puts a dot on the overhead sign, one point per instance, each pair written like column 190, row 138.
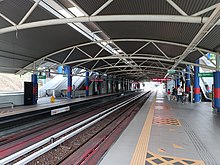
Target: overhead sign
column 42, row 77
column 161, row 79
column 205, row 74
column 171, row 71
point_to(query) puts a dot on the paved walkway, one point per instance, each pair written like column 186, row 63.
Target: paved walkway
column 168, row 133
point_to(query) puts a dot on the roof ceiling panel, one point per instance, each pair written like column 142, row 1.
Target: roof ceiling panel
column 44, row 40
column 77, row 55
column 212, row 40
column 130, row 47
column 3, row 23
column 174, row 32
column 14, row 9
column 61, row 56
column 91, row 50
column 192, row 57
column 139, row 7
column 90, row 6
column 194, row 6
column 171, row 50
column 150, row 49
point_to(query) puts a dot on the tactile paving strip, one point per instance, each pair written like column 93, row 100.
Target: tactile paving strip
column 154, row 159
column 166, row 121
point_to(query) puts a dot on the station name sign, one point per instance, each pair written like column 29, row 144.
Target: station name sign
column 205, row 74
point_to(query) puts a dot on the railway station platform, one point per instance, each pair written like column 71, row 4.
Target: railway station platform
column 44, row 104
column 166, row 132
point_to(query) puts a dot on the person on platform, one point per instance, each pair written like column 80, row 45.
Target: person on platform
column 179, row 94
column 168, row 94
column 174, row 92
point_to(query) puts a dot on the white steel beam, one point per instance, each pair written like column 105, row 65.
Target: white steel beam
column 140, row 48
column 102, row 7
column 207, row 27
column 68, row 55
column 29, row 12
column 205, row 10
column 122, row 40
column 160, row 50
column 84, row 52
column 150, row 71
column 99, row 53
column 125, row 66
column 7, row 19
column 175, row 6
column 142, row 58
column 108, row 18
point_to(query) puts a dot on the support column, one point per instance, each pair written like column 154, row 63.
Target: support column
column 116, row 86
column 87, row 83
column 99, row 85
column 177, row 81
column 216, row 90
column 112, row 85
column 187, row 79
column 68, row 71
column 196, row 84
column 35, row 88
column 121, row 85
column 107, row 85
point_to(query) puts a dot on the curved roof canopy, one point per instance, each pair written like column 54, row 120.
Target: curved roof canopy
column 133, row 39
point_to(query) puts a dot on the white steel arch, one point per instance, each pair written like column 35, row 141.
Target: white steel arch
column 109, row 18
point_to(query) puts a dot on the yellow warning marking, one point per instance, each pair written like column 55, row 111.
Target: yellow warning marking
column 177, row 146
column 154, row 159
column 166, row 121
column 139, row 156
column 161, row 150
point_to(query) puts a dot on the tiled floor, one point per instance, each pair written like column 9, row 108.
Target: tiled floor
column 180, row 134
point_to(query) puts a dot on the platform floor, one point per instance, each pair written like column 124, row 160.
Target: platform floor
column 168, row 133
column 45, row 103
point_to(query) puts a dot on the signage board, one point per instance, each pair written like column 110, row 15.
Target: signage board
column 42, row 77
column 171, row 71
column 161, row 79
column 205, row 74
column 60, row 110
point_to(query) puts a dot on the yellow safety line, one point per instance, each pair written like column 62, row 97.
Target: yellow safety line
column 139, row 156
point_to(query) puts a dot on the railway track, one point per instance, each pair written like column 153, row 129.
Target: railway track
column 60, row 146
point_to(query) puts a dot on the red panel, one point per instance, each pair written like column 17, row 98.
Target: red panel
column 87, row 88
column 69, row 89
column 216, row 93
column 196, row 90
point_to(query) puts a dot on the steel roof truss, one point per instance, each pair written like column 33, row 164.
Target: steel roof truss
column 68, row 55
column 29, row 12
column 142, row 47
column 175, row 6
column 102, row 7
column 207, row 27
column 84, row 52
column 160, row 50
column 205, row 10
column 7, row 19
